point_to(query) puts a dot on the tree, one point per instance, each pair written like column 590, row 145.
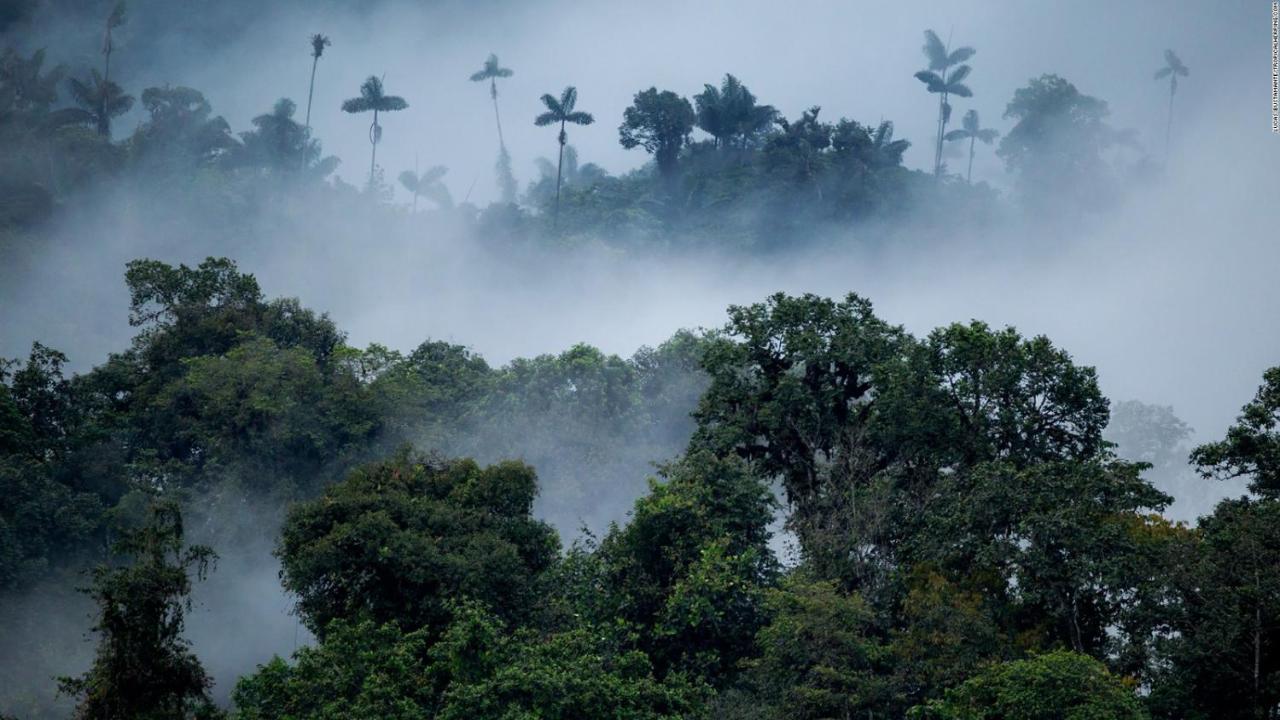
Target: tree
column 562, row 111
column 101, row 100
column 820, row 657
column 373, row 97
column 941, row 79
column 491, row 71
column 659, row 122
column 791, row 384
column 730, row 115
column 114, row 20
column 1055, row 685
column 1223, row 651
column 428, row 184
column 580, row 673
column 1252, row 446
column 180, row 130
column 279, row 143
column 690, row 569
column 143, row 667
column 318, row 44
column 1173, row 68
column 1056, row 145
column 972, row 132
column 399, row 540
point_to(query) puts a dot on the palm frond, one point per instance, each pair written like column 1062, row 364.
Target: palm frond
column 934, row 50
column 410, row 181
column 580, row 118
column 971, row 121
column 960, row 90
column 392, row 102
column 1163, row 72
column 433, row 174
column 931, row 79
column 959, row 55
column 318, row 44
column 116, row 18
column 357, row 105
column 987, row 135
column 553, row 105
column 959, row 74
column 958, row 134
column 546, row 118
column 568, row 99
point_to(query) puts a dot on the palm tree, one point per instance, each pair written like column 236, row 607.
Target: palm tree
column 1173, row 67
column 562, row 111
column 114, row 20
column 373, row 97
column 491, row 72
column 940, row 78
column 428, row 184
column 972, row 130
column 318, row 44
column 100, row 100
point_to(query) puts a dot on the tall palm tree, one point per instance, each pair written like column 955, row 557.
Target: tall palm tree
column 562, row 111
column 1173, row 67
column 972, row 130
column 491, row 71
column 318, row 44
column 100, row 100
column 428, row 184
column 114, row 20
column 940, row 78
column 373, row 97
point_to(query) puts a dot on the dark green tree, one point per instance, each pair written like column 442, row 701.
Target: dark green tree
column 659, row 122
column 1055, row 685
column 144, row 668
column 399, row 540
column 1251, row 448
column 730, row 114
column 562, row 111
column 373, row 97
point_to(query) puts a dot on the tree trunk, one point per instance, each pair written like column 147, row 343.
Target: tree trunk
column 373, row 141
column 555, row 220
column 968, row 178
column 493, row 93
column 311, row 91
column 1168, row 126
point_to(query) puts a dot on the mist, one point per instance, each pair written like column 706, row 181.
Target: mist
column 1170, row 295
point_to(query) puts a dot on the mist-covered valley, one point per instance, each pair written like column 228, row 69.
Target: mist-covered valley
column 1018, row 451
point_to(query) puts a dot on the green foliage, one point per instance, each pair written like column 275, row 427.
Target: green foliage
column 659, row 122
column 1252, row 446
column 361, row 670
column 397, row 540
column 820, row 656
column 1223, row 658
column 689, row 570
column 1055, row 685
column 143, row 668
